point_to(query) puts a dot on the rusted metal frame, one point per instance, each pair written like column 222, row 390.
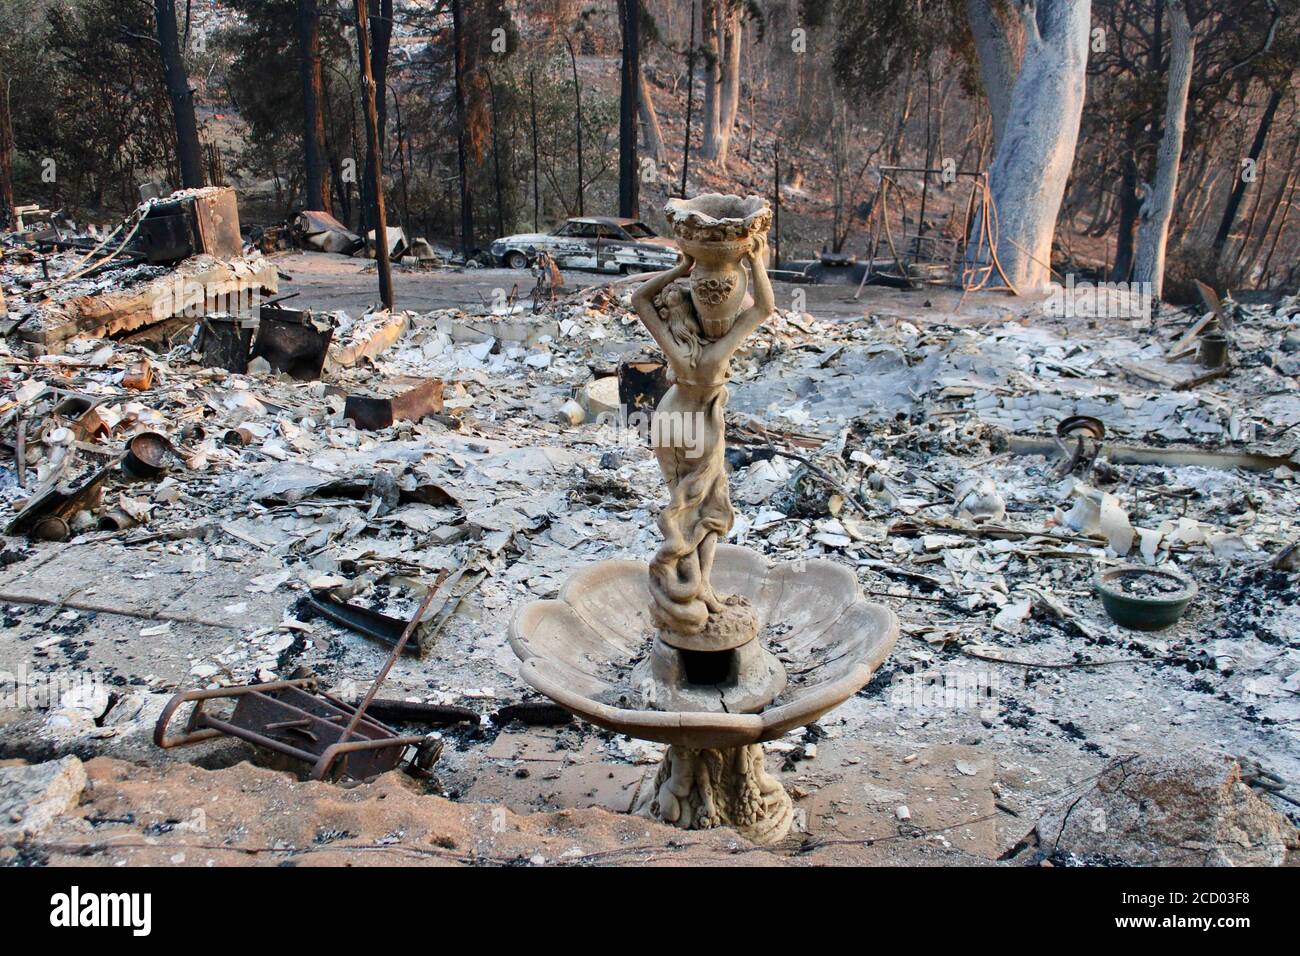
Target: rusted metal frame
column 343, row 746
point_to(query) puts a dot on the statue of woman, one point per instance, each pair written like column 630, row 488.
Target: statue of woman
column 688, row 434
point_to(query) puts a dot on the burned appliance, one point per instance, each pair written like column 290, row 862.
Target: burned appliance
column 203, row 221
column 293, row 341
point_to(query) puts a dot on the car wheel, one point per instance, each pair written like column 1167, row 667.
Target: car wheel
column 517, row 260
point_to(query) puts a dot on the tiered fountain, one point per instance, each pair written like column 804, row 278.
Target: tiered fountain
column 681, row 651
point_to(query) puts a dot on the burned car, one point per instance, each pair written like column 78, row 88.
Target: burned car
column 603, row 243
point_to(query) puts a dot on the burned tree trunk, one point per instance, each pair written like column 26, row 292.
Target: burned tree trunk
column 1129, row 205
column 729, row 85
column 1239, row 187
column 496, row 156
column 189, row 158
column 997, row 60
column 1033, row 160
column 710, row 40
column 690, row 101
column 6, row 156
column 372, row 144
column 651, row 132
column 537, row 191
column 317, row 193
column 466, row 196
column 1158, row 209
column 380, row 15
column 577, row 120
column 629, row 93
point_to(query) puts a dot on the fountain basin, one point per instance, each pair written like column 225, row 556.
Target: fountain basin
column 581, row 650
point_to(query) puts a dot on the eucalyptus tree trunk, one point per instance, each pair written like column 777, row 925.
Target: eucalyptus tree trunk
column 997, row 60
column 729, row 83
column 651, row 132
column 710, row 35
column 1033, row 158
column 1153, row 234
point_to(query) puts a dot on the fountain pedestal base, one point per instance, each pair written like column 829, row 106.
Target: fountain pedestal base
column 721, row 787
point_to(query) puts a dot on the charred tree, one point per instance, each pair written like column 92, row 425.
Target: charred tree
column 1239, row 187
column 1130, row 205
column 629, row 94
column 380, row 17
column 315, row 164
column 496, row 156
column 690, row 101
column 6, row 155
column 372, row 144
column 466, row 195
column 1158, row 208
column 537, row 189
column 189, row 158
column 577, row 120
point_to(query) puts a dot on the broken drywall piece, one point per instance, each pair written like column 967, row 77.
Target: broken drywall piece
column 1012, row 615
column 1150, row 545
column 1114, row 523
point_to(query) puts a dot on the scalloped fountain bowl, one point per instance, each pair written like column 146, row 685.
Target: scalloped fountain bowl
column 583, row 649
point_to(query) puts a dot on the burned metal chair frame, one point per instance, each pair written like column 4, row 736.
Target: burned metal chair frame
column 260, row 711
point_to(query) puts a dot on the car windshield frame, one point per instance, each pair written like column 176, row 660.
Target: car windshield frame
column 639, row 230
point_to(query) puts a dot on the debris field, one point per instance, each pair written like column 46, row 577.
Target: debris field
column 177, row 519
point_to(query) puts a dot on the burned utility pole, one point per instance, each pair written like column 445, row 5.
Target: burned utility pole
column 629, row 199
column 372, row 139
column 188, row 156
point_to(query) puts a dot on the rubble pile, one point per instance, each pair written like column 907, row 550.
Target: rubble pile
column 177, row 256
column 919, row 452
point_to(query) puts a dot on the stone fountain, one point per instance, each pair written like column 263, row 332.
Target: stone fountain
column 710, row 648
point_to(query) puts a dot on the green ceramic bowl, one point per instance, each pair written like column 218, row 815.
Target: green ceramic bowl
column 1144, row 599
